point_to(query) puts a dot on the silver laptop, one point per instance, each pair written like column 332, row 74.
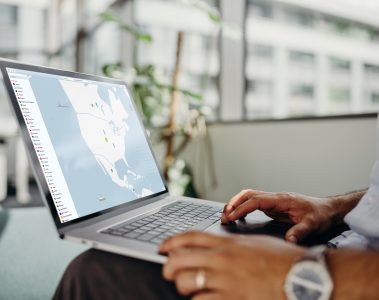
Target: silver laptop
column 94, row 164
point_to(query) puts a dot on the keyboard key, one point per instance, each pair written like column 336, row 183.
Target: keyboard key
column 116, row 233
column 132, row 234
column 157, row 240
column 122, row 229
column 149, row 226
column 132, row 225
column 160, row 229
column 145, row 237
column 140, row 230
column 153, row 232
column 129, row 227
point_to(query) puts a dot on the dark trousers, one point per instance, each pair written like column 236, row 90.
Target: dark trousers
column 96, row 274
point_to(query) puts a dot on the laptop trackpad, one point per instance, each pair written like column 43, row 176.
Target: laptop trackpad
column 270, row 227
column 273, row 228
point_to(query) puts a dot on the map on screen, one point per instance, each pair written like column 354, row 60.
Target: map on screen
column 102, row 156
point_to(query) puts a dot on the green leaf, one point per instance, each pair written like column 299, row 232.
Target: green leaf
column 107, row 16
column 108, row 69
column 145, row 38
column 191, row 94
column 216, row 18
column 133, row 30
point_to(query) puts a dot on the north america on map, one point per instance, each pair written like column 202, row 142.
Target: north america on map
column 104, row 128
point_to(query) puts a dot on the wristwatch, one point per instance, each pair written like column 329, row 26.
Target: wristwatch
column 309, row 278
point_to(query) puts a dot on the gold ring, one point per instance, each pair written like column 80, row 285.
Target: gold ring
column 200, row 279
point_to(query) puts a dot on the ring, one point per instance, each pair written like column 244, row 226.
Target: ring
column 200, row 279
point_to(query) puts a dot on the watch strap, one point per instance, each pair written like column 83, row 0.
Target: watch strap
column 316, row 253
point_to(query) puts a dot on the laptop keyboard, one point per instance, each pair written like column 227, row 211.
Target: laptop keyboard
column 168, row 221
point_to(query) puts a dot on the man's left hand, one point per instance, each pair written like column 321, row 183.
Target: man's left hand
column 241, row 267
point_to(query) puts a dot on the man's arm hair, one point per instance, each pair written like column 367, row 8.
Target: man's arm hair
column 355, row 273
column 343, row 204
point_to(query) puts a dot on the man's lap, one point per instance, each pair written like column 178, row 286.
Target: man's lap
column 95, row 274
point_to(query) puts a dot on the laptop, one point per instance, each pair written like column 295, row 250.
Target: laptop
column 94, row 165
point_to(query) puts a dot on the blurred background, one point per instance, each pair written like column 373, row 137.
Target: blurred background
column 276, row 95
column 286, row 86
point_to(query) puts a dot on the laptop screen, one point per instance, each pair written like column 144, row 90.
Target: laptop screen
column 89, row 141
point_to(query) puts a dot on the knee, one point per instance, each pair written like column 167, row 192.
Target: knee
column 83, row 264
column 83, row 270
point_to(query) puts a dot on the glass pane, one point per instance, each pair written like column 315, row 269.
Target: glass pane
column 8, row 29
column 92, row 9
column 200, row 56
column 301, row 83
column 371, row 87
column 22, row 37
column 68, row 21
column 306, row 58
column 102, row 47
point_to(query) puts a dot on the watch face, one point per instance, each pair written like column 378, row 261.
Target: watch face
column 308, row 280
column 308, row 293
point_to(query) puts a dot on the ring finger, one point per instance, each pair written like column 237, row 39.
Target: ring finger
column 187, row 281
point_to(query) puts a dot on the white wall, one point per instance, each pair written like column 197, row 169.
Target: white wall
column 316, row 157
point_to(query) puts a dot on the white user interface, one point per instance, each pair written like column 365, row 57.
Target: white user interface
column 89, row 142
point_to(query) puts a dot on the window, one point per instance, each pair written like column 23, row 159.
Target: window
column 68, row 21
column 259, row 72
column 102, row 47
column 292, row 58
column 260, row 8
column 371, row 87
column 8, row 21
column 22, row 37
column 301, row 83
column 200, row 65
column 310, row 60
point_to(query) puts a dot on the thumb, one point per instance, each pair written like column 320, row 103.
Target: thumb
column 299, row 231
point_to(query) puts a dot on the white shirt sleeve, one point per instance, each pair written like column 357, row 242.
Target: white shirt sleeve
column 364, row 218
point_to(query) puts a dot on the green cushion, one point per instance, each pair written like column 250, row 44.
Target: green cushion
column 32, row 257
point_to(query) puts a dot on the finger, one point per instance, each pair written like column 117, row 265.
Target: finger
column 241, row 197
column 236, row 201
column 267, row 201
column 208, row 296
column 182, row 259
column 185, row 281
column 300, row 231
column 191, row 239
column 233, row 203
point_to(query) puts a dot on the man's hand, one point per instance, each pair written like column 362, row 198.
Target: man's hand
column 308, row 214
column 251, row 267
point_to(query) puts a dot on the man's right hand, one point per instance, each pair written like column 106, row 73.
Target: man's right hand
column 307, row 214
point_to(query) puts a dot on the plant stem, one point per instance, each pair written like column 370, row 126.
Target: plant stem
column 169, row 132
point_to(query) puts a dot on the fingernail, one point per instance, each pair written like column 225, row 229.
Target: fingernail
column 224, row 220
column 161, row 247
column 292, row 239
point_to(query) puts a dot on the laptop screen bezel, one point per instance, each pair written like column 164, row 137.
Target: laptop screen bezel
column 41, row 180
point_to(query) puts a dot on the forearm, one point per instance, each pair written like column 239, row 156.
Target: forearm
column 355, row 273
column 343, row 204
